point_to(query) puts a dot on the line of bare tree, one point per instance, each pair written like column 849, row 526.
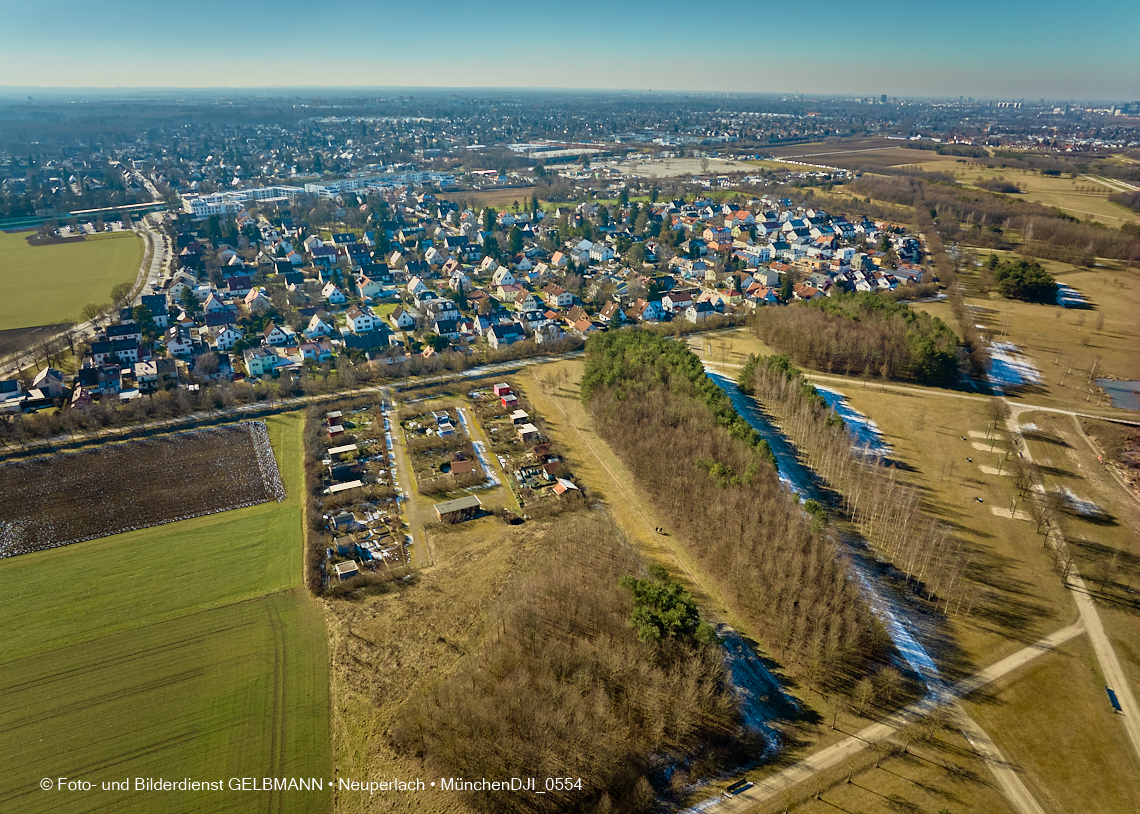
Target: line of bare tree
column 719, row 492
column 996, row 221
column 946, row 269
column 886, row 511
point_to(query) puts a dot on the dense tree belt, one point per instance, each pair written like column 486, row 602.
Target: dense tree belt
column 885, row 511
column 561, row 684
column 863, row 333
column 993, row 220
column 1022, row 279
column 706, row 471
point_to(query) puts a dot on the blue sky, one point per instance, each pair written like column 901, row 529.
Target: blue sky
column 983, row 49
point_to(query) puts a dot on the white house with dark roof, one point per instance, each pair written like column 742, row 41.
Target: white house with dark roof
column 402, row 319
column 224, row 337
column 274, row 335
column 361, row 319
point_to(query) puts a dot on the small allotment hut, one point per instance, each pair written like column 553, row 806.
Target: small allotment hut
column 458, row 510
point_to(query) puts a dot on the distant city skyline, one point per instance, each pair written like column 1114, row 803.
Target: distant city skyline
column 1008, row 50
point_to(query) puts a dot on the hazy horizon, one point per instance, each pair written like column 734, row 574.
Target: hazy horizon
column 981, row 50
column 285, row 90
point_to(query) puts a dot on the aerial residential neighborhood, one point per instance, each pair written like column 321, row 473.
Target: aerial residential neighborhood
column 248, row 312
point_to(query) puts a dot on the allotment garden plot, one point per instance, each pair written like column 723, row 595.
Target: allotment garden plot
column 442, row 452
column 50, row 502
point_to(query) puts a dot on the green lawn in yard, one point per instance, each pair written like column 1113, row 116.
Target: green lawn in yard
column 183, row 650
column 384, row 309
column 45, row 285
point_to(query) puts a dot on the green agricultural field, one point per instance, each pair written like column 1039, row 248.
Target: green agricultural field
column 229, row 692
column 182, row 650
column 44, row 285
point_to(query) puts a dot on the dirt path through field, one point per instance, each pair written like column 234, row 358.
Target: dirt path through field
column 416, row 509
column 1105, row 654
column 1005, row 773
column 571, row 428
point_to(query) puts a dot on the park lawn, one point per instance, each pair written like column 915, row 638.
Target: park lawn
column 1106, row 548
column 1064, row 342
column 182, row 650
column 1082, row 197
column 236, row 691
column 1018, row 599
column 729, row 349
column 44, row 285
column 1053, row 721
column 944, row 774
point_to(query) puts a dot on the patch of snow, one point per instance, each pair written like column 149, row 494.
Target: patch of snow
column 1085, row 508
column 1069, row 297
column 757, row 689
column 1029, row 427
column 863, row 431
column 480, row 453
column 1010, row 366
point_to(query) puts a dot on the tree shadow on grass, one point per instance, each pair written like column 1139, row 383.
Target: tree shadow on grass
column 1044, row 438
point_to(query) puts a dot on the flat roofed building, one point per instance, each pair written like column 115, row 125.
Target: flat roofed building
column 458, row 510
column 340, row 487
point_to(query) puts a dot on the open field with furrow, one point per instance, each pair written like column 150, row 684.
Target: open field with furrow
column 179, row 651
column 53, row 501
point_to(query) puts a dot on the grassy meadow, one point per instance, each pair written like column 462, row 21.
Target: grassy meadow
column 182, row 650
column 44, row 285
column 1083, row 197
column 1062, row 343
column 1052, row 719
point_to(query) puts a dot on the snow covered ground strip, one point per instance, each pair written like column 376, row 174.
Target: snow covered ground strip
column 1086, row 508
column 864, row 432
column 758, row 690
column 1069, row 297
column 480, row 453
column 889, row 609
column 1011, row 367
